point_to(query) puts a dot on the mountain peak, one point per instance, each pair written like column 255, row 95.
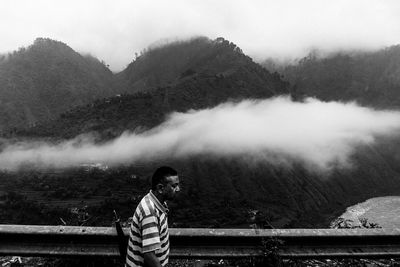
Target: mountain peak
column 166, row 64
column 47, row 45
column 45, row 79
column 41, row 41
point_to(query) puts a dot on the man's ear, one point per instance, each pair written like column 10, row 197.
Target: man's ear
column 159, row 188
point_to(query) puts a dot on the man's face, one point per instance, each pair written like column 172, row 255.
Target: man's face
column 171, row 187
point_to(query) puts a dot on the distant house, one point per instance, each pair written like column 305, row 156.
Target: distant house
column 94, row 166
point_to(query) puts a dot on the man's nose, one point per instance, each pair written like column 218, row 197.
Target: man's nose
column 177, row 189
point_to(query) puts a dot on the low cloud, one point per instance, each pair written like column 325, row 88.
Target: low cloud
column 318, row 134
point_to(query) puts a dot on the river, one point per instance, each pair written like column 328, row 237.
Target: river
column 385, row 211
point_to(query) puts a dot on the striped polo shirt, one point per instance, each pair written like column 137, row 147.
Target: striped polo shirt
column 148, row 232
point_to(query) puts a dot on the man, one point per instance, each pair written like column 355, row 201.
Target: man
column 149, row 238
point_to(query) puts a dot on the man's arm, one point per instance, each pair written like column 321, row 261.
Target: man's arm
column 151, row 260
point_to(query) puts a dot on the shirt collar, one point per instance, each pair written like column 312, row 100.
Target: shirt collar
column 163, row 207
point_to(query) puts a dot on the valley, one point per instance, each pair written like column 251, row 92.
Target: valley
column 217, row 191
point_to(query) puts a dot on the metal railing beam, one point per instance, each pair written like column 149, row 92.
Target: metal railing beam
column 74, row 241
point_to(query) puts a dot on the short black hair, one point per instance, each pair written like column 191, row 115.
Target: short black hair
column 160, row 174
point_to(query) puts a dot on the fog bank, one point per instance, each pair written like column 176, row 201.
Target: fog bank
column 320, row 135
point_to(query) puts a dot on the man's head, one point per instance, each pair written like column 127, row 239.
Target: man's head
column 165, row 182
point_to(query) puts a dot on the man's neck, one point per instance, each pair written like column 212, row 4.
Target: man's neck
column 158, row 196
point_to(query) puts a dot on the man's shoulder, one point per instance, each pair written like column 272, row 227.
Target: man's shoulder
column 146, row 207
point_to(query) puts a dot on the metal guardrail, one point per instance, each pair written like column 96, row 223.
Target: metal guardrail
column 73, row 241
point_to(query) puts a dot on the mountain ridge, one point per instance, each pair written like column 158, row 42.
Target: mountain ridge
column 40, row 82
column 168, row 64
column 193, row 88
column 45, row 79
column 370, row 78
column 224, row 189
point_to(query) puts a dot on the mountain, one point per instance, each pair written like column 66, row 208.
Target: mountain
column 45, row 79
column 370, row 78
column 220, row 72
column 170, row 64
column 220, row 191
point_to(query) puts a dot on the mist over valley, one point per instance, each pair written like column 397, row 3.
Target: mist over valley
column 242, row 137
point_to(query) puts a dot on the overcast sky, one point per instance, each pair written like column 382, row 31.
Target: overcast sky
column 113, row 30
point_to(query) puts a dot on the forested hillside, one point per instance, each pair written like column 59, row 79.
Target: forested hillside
column 217, row 191
column 41, row 81
column 224, row 190
column 371, row 79
column 168, row 65
column 221, row 73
